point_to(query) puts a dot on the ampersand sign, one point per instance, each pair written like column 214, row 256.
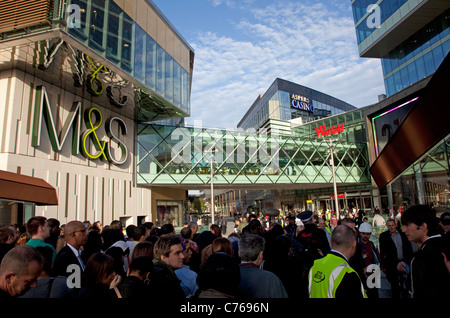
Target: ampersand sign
column 99, row 145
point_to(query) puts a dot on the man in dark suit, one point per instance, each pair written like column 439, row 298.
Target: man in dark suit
column 396, row 252
column 75, row 233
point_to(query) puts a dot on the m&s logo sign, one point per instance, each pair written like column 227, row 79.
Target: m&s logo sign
column 80, row 142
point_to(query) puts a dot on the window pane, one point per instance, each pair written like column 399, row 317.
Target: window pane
column 112, row 40
column 139, row 57
column 160, row 70
column 150, row 68
column 96, row 25
column 127, row 32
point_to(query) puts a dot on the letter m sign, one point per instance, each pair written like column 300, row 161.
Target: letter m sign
column 43, row 110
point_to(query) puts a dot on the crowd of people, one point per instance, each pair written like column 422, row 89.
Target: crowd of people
column 310, row 259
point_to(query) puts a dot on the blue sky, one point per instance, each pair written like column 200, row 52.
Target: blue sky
column 242, row 46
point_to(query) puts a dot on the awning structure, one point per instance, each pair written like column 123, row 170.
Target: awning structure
column 423, row 127
column 18, row 187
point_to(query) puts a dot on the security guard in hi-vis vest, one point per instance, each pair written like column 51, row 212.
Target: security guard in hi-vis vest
column 332, row 276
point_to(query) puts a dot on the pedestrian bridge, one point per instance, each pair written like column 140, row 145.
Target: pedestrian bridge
column 179, row 156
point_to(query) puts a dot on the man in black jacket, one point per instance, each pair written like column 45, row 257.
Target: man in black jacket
column 396, row 252
column 168, row 256
column 427, row 268
column 75, row 233
column 313, row 239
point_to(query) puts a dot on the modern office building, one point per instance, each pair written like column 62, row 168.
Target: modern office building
column 410, row 143
column 76, row 79
column 411, row 37
column 286, row 101
column 408, row 138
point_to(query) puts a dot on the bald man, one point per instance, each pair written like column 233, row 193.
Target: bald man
column 19, row 271
column 75, row 234
column 332, row 276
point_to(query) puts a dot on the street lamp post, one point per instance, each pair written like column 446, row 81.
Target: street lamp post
column 332, row 152
column 211, row 161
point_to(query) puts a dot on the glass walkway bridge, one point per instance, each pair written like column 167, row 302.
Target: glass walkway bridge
column 180, row 156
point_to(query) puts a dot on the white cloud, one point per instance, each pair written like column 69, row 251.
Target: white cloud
column 307, row 44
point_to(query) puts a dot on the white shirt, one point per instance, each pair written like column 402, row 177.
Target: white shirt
column 77, row 254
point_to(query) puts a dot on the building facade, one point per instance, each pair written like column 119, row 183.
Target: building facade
column 286, row 101
column 411, row 37
column 76, row 79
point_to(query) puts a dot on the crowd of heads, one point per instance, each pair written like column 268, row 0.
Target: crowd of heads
column 115, row 257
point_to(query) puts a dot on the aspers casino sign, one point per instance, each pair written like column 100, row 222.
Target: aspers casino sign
column 301, row 102
column 81, row 142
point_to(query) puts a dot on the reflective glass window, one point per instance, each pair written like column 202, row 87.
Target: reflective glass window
column 112, row 38
column 127, row 49
column 139, row 54
column 438, row 56
column 160, row 70
column 412, row 73
column 169, row 78
column 176, row 84
column 429, row 63
column 150, row 63
column 97, row 20
column 420, row 67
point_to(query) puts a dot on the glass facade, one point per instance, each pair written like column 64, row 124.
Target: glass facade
column 360, row 14
column 285, row 100
column 415, row 57
column 354, row 128
column 425, row 182
column 170, row 155
column 110, row 32
column 418, row 56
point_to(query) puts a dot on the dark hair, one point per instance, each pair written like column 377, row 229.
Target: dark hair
column 216, row 229
column 117, row 254
column 420, row 214
column 34, row 223
column 142, row 264
column 138, row 232
column 163, row 245
column 98, row 266
column 167, row 229
column 346, row 221
column 111, row 236
column 222, row 244
column 221, row 273
column 144, row 248
column 130, row 230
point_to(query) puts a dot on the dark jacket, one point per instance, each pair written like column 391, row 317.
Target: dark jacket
column 133, row 287
column 428, row 270
column 164, row 283
column 388, row 251
column 64, row 258
column 313, row 239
